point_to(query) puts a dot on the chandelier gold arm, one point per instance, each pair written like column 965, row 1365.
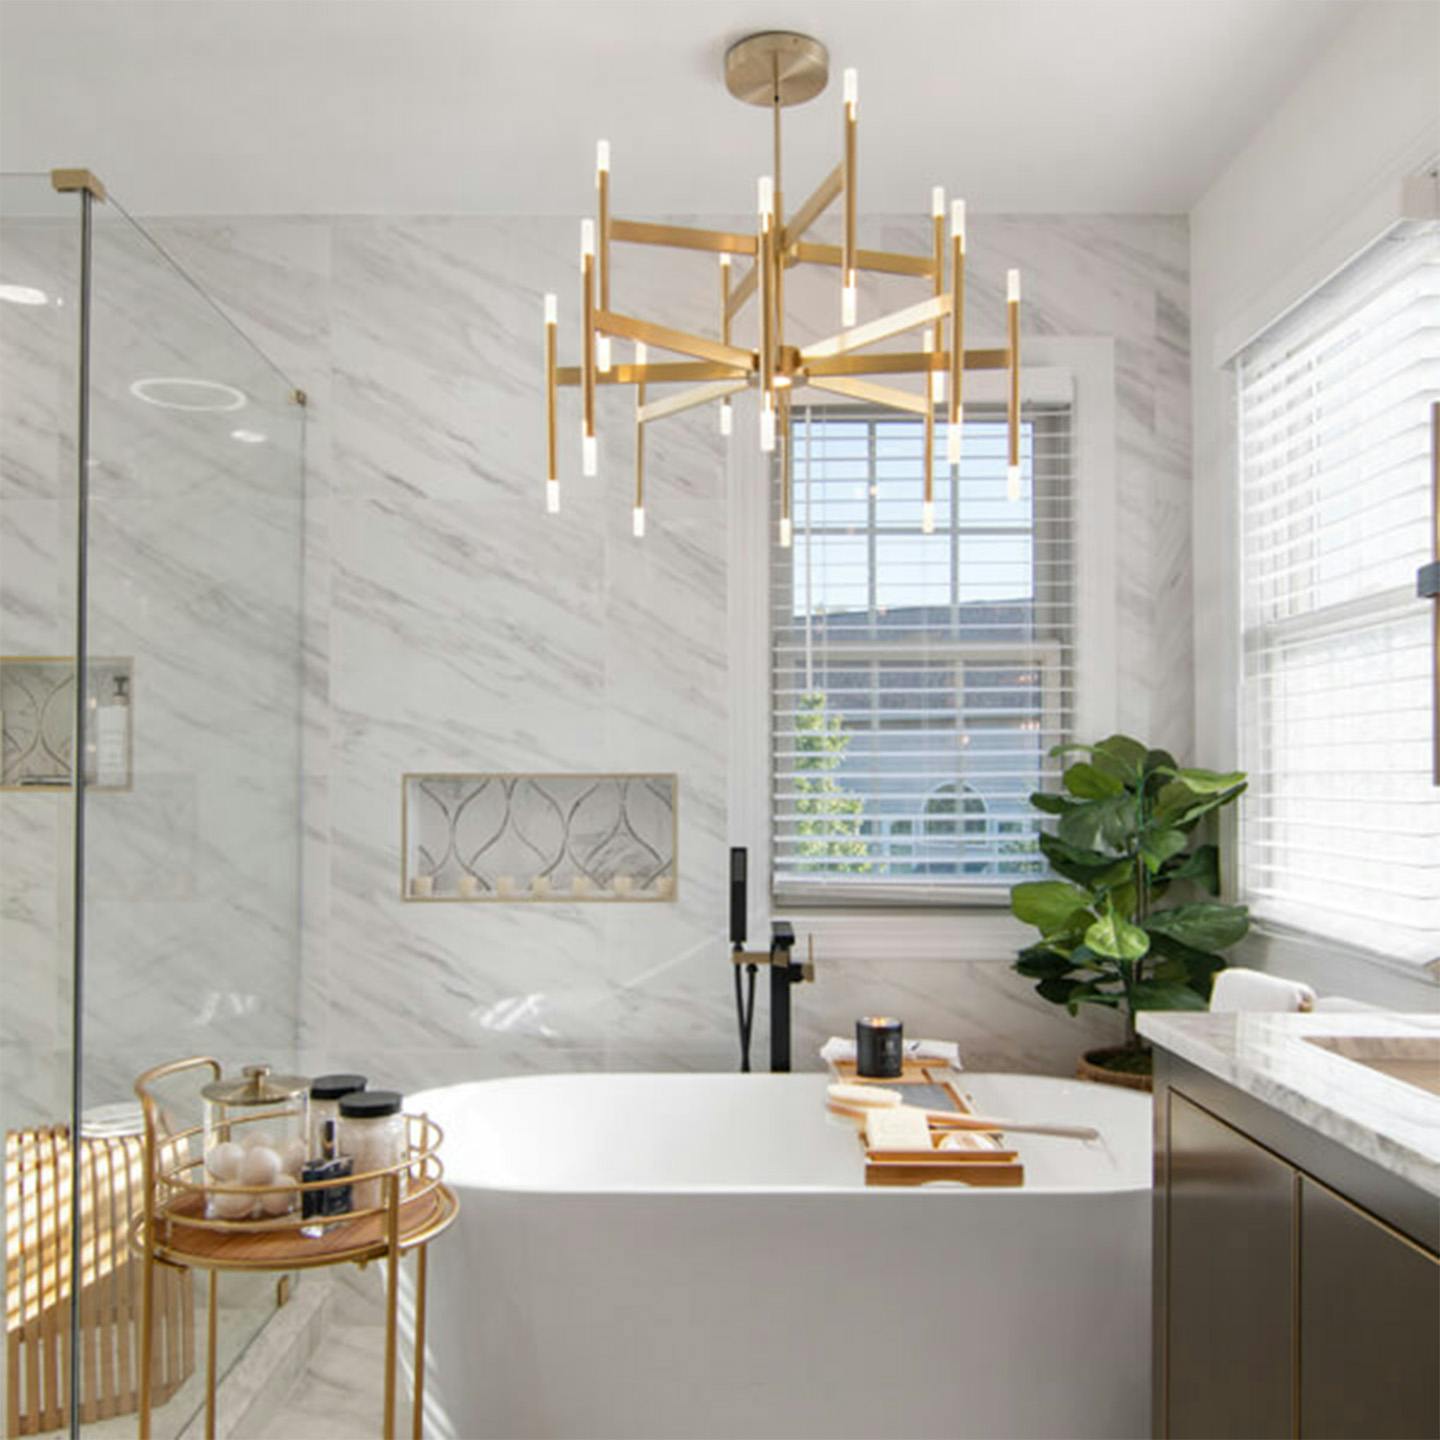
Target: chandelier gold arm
column 903, row 362
column 681, row 237
column 912, row 317
column 742, row 292
column 959, row 359
column 628, row 327
column 666, row 372
column 688, row 399
column 885, row 262
column 805, row 252
column 787, row 472
column 587, row 364
column 824, row 195
column 867, row 390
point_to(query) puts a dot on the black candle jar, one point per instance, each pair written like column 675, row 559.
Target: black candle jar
column 879, row 1047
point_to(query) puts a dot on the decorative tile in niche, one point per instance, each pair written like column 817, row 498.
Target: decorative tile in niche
column 37, row 722
column 558, row 838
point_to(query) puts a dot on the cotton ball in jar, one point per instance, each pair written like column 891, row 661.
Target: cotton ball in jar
column 281, row 1200
column 261, row 1166
column 223, row 1160
column 230, row 1207
column 294, row 1157
column 255, row 1138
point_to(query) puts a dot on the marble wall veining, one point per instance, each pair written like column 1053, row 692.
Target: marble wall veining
column 452, row 625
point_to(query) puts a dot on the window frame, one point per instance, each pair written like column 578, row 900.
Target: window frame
column 1084, row 369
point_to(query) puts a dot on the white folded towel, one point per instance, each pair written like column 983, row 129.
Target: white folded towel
column 1241, row 990
column 937, row 1052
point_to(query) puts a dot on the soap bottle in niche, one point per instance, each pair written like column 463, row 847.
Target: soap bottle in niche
column 112, row 736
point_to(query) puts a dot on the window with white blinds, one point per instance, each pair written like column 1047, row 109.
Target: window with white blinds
column 1340, row 831
column 918, row 680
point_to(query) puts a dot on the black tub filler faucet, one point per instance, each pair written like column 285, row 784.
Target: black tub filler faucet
column 785, row 971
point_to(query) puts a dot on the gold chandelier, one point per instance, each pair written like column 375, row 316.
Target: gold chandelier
column 778, row 69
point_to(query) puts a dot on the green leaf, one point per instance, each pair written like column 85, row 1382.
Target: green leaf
column 1094, row 997
column 1205, row 925
column 1057, row 991
column 1179, row 807
column 1160, row 761
column 1195, row 968
column 1040, row 963
column 1109, row 822
column 1165, row 995
column 1125, row 754
column 1157, row 846
column 1083, row 958
column 1201, row 866
column 1211, row 782
column 1090, row 868
column 1047, row 904
column 1116, row 937
column 1051, row 804
column 1090, row 783
column 1056, row 751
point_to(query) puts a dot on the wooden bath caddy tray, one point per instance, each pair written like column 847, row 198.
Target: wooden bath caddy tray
column 984, row 1161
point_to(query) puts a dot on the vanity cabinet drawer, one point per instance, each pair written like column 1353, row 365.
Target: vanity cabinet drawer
column 1369, row 1325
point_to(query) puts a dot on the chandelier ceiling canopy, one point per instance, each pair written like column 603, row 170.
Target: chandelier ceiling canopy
column 778, row 69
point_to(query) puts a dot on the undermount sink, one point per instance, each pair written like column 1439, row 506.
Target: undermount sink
column 1413, row 1059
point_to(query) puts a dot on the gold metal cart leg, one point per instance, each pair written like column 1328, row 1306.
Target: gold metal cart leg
column 211, row 1316
column 147, row 1324
column 392, row 1286
column 418, row 1426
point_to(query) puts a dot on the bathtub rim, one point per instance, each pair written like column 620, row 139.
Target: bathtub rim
column 936, row 1191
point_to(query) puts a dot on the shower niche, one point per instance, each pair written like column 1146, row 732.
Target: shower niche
column 37, row 722
column 539, row 838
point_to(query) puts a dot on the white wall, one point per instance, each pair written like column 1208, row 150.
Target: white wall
column 454, row 626
column 1319, row 181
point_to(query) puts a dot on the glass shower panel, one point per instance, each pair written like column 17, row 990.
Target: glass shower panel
column 192, row 812
column 39, row 386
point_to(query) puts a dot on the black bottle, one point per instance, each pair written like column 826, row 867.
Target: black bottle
column 333, row 1199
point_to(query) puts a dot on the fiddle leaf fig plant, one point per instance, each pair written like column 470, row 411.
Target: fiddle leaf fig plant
column 1122, row 925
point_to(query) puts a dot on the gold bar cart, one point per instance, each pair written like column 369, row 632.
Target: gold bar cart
column 174, row 1230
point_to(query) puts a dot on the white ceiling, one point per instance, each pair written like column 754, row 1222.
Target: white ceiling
column 489, row 106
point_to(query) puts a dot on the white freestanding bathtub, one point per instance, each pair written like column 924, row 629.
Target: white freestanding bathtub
column 698, row 1256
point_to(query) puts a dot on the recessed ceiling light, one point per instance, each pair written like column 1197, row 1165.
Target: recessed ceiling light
column 248, row 437
column 180, row 393
column 23, row 295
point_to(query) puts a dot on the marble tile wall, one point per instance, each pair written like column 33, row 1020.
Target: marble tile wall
column 452, row 625
column 449, row 624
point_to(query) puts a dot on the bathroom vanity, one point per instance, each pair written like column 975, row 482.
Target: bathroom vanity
column 1296, row 1225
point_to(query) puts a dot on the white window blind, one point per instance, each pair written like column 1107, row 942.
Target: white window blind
column 1340, row 831
column 918, row 680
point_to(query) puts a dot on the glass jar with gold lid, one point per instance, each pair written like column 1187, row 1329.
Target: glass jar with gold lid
column 255, row 1136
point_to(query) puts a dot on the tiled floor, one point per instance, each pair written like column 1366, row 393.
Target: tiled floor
column 341, row 1392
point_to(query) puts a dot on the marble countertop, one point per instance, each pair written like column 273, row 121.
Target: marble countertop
column 1387, row 1121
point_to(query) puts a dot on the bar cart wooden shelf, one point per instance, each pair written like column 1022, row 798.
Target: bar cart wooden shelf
column 174, row 1230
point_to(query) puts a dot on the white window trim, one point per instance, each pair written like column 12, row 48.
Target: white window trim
column 962, row 932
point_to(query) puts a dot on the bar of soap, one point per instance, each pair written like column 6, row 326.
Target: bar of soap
column 868, row 1096
column 897, row 1128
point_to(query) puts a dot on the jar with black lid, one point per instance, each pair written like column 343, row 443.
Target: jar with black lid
column 372, row 1134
